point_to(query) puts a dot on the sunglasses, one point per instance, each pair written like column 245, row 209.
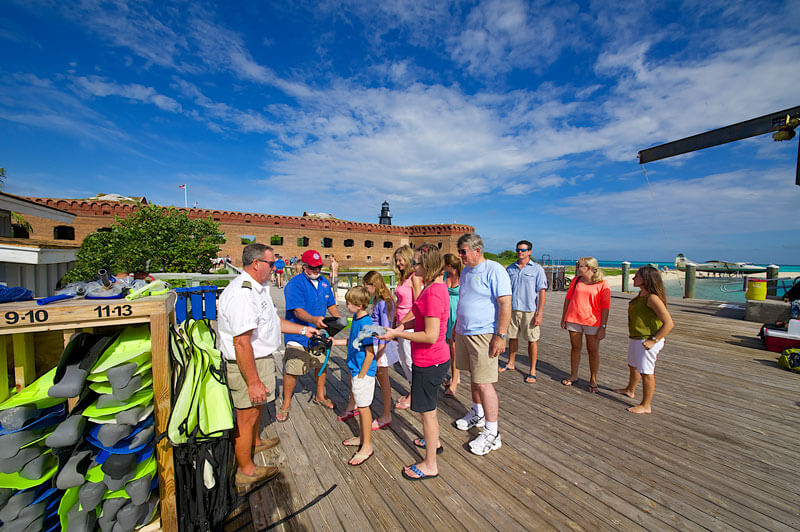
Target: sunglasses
column 415, row 263
column 462, row 251
column 521, row 250
column 315, row 268
column 270, row 262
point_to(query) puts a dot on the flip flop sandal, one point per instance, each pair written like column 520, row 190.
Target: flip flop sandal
column 361, row 457
column 379, row 426
column 449, row 393
column 348, row 415
column 530, row 379
column 420, row 442
column 505, row 368
column 418, row 472
column 593, row 388
column 355, row 441
column 327, row 403
column 282, row 412
column 567, row 382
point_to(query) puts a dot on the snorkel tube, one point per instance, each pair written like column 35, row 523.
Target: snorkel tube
column 324, row 339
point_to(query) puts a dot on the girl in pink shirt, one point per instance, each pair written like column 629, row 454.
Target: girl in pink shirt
column 430, row 354
column 408, row 288
column 585, row 312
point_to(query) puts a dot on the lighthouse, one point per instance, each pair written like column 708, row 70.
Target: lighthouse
column 385, row 218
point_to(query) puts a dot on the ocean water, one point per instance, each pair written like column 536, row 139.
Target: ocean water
column 730, row 289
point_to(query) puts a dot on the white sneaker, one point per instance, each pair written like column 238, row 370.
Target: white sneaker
column 470, row 420
column 485, row 442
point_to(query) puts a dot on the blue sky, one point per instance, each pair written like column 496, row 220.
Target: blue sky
column 520, row 118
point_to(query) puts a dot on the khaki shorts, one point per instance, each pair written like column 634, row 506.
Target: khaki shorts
column 472, row 354
column 265, row 367
column 521, row 328
column 298, row 361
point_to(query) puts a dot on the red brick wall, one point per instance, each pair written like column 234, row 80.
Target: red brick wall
column 92, row 215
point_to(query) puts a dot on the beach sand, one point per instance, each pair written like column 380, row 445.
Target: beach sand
column 615, row 281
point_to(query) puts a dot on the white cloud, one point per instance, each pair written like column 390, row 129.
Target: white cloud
column 98, row 86
column 728, row 203
column 501, row 35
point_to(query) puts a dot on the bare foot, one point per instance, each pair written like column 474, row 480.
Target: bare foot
column 638, row 409
column 624, row 391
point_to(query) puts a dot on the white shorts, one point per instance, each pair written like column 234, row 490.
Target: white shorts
column 644, row 360
column 390, row 355
column 588, row 330
column 363, row 390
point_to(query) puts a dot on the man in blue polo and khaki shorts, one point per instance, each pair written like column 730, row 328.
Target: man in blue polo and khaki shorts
column 482, row 319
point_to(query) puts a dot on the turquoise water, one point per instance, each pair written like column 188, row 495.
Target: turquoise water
column 728, row 289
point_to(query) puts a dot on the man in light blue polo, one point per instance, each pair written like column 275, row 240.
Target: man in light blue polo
column 528, row 289
column 309, row 299
column 482, row 318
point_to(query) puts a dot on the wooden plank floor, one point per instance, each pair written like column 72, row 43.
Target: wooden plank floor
column 719, row 452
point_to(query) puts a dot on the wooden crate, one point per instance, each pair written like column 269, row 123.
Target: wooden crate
column 23, row 320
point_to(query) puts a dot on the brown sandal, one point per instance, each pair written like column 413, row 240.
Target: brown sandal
column 282, row 412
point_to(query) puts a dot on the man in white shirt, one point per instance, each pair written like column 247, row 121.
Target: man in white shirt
column 249, row 334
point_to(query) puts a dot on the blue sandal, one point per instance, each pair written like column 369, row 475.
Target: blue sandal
column 420, row 442
column 420, row 474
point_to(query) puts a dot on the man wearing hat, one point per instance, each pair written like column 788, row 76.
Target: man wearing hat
column 308, row 299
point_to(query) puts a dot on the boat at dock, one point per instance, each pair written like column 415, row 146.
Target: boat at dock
column 718, row 266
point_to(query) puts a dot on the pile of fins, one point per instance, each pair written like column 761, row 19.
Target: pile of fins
column 94, row 467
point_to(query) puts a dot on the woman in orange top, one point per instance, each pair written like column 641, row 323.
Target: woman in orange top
column 585, row 312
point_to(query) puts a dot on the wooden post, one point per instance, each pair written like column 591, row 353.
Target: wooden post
column 772, row 283
column 626, row 271
column 691, row 272
column 24, row 360
column 4, row 372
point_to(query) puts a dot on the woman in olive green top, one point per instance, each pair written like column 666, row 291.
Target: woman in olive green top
column 648, row 323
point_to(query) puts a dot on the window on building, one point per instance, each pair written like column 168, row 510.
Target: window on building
column 386, row 260
column 248, row 239
column 348, row 243
column 64, row 232
column 347, row 257
column 388, row 245
column 104, row 230
column 302, row 242
column 276, row 240
column 439, row 245
column 369, row 258
column 368, row 243
column 326, row 242
column 20, row 231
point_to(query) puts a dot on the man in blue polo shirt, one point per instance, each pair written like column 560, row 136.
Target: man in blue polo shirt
column 528, row 289
column 308, row 299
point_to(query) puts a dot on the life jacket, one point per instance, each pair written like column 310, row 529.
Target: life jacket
column 790, row 359
column 200, row 428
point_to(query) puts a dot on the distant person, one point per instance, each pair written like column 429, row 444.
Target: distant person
column 585, row 313
column 362, row 366
column 793, row 294
column 280, row 264
column 452, row 275
column 334, row 273
column 408, row 288
column 430, row 354
column 528, row 291
column 481, row 333
column 308, row 299
column 649, row 323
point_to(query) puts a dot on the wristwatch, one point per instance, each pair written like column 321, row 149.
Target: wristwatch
column 503, row 336
column 303, row 331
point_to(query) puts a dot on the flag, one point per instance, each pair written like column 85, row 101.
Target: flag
column 181, row 186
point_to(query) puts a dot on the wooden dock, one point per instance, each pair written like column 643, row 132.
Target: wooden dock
column 720, row 451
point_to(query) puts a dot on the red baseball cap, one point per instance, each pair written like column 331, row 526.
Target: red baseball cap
column 312, row 258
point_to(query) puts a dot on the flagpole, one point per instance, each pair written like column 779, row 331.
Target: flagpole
column 185, row 201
